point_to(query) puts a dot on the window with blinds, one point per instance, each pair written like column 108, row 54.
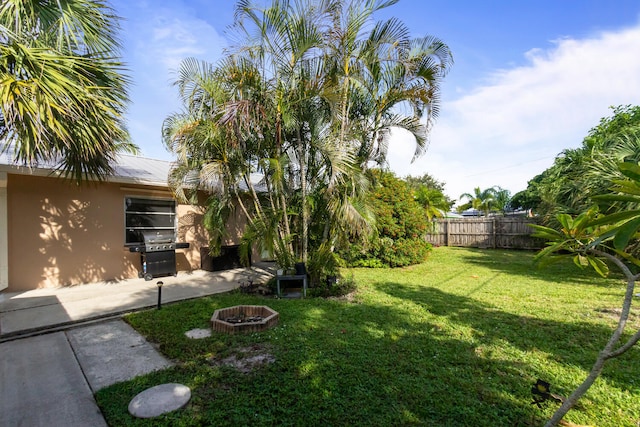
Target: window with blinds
column 147, row 215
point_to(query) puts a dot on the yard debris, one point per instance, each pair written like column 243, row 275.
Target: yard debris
column 249, row 287
column 246, row 287
column 541, row 391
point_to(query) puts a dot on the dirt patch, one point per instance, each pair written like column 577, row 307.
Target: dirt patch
column 246, row 359
column 350, row 297
column 614, row 314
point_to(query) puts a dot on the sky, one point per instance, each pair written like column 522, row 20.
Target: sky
column 530, row 78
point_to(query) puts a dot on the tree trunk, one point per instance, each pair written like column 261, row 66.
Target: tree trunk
column 280, row 184
column 305, row 213
column 578, row 392
column 608, row 352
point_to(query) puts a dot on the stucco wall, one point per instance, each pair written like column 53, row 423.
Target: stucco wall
column 62, row 235
column 190, row 229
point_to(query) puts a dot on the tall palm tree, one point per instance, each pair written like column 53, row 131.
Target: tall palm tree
column 305, row 99
column 62, row 87
column 382, row 78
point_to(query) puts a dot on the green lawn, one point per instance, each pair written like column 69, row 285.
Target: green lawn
column 456, row 341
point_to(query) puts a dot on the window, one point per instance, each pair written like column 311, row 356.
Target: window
column 147, row 214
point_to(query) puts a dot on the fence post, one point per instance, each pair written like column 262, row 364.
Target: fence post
column 446, row 222
column 493, row 225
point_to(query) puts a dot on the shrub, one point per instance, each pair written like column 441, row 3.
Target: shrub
column 341, row 287
column 322, row 263
column 401, row 225
column 405, row 252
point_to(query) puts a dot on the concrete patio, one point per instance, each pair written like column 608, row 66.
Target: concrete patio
column 59, row 346
column 36, row 311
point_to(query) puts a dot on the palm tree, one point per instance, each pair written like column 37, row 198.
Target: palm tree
column 377, row 73
column 502, row 199
column 299, row 102
column 222, row 140
column 62, row 90
column 481, row 200
column 433, row 201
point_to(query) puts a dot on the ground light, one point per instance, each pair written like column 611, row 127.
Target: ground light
column 159, row 284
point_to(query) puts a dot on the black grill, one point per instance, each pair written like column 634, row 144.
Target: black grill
column 158, row 254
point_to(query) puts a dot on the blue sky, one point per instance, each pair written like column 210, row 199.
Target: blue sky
column 530, row 78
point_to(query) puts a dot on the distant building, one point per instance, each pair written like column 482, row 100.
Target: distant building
column 452, row 215
column 471, row 212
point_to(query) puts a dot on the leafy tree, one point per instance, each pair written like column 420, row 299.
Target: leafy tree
column 605, row 133
column 593, row 240
column 425, row 180
column 305, row 102
column 577, row 174
column 528, row 199
column 401, row 224
column 62, row 89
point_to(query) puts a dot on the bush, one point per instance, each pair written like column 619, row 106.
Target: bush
column 341, row 287
column 406, row 252
column 401, row 226
column 322, row 263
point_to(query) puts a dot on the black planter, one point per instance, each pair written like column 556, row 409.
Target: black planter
column 300, row 268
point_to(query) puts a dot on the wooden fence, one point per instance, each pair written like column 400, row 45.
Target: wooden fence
column 491, row 232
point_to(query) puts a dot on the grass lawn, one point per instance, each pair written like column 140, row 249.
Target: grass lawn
column 456, row 341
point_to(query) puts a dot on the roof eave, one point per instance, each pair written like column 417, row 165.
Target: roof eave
column 53, row 173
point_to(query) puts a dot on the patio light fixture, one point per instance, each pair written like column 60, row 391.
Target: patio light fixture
column 159, row 283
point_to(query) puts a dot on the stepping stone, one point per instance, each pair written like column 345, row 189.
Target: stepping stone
column 113, row 351
column 159, row 400
column 198, row 333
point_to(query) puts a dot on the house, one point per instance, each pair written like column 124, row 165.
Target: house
column 56, row 233
column 471, row 212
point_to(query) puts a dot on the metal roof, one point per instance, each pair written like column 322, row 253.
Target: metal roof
column 141, row 170
column 128, row 169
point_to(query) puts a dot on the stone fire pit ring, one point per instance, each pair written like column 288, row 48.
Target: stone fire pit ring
column 244, row 319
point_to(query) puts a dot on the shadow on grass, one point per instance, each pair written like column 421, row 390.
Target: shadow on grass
column 336, row 364
column 521, row 263
column 403, row 360
column 568, row 343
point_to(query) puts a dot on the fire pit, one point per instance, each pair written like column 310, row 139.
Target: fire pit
column 244, row 318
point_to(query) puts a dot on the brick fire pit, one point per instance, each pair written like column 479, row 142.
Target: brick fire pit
column 244, row 318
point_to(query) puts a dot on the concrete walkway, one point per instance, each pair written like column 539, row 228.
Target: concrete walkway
column 49, row 380
column 59, row 346
column 23, row 313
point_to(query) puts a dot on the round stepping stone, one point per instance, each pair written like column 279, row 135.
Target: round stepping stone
column 198, row 333
column 159, row 400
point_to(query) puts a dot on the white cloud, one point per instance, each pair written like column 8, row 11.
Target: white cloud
column 157, row 39
column 176, row 38
column 165, row 36
column 509, row 130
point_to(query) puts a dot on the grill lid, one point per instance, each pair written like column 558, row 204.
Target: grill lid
column 158, row 236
